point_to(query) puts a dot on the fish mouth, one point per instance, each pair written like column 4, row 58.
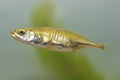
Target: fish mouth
column 12, row 34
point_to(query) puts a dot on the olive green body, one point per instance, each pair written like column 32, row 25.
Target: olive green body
column 62, row 40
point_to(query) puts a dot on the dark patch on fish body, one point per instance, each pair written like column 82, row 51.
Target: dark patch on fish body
column 36, row 40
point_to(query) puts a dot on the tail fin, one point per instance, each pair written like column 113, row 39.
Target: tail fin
column 102, row 46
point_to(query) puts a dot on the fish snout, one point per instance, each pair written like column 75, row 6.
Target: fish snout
column 12, row 33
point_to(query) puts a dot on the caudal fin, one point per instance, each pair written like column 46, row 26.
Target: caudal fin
column 102, row 46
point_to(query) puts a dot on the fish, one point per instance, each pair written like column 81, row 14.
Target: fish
column 55, row 39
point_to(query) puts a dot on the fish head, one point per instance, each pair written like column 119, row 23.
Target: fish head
column 27, row 35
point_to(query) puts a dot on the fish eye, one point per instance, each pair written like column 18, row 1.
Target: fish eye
column 21, row 32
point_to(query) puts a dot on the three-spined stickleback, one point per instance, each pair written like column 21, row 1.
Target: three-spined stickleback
column 53, row 38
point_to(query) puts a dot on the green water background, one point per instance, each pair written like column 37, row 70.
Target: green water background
column 96, row 20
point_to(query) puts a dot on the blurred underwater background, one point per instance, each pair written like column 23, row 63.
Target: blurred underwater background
column 98, row 21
